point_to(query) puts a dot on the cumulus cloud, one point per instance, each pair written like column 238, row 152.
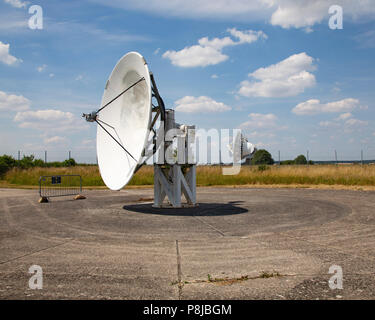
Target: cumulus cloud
column 298, row 14
column 314, row 106
column 306, row 13
column 259, row 120
column 195, row 56
column 49, row 121
column 5, row 56
column 11, row 102
column 17, row 3
column 209, row 51
column 283, row 79
column 345, row 121
column 201, row 104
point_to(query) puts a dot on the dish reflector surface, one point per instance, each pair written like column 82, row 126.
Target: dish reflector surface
column 128, row 119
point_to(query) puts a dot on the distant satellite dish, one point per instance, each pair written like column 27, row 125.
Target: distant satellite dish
column 241, row 148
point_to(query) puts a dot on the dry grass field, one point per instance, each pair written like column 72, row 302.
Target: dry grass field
column 329, row 175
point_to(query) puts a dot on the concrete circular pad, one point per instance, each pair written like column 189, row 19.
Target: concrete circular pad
column 238, row 244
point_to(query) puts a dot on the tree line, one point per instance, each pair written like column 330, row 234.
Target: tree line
column 263, row 157
column 8, row 162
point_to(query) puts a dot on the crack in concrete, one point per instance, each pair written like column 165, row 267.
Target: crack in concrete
column 211, row 226
column 179, row 272
column 229, row 281
column 34, row 252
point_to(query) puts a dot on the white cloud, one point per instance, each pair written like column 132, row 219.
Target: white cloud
column 88, row 144
column 299, row 14
column 195, row 56
column 259, row 120
column 348, row 124
column 285, row 13
column 11, row 102
column 201, row 104
column 355, row 123
column 55, row 140
column 79, row 77
column 328, row 124
column 5, row 57
column 344, row 116
column 17, row 3
column 283, row 79
column 214, row 76
column 247, row 36
column 50, row 121
column 157, row 51
column 209, row 52
column 51, row 75
column 41, row 68
column 256, row 134
column 306, row 13
column 314, row 106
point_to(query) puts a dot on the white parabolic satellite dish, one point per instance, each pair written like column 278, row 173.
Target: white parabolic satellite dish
column 127, row 119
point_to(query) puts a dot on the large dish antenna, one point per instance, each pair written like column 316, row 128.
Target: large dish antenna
column 124, row 120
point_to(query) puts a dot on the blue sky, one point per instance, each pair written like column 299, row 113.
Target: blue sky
column 273, row 68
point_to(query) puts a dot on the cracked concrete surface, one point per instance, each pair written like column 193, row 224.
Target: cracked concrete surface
column 113, row 245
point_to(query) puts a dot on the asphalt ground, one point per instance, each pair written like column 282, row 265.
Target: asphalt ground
column 238, row 244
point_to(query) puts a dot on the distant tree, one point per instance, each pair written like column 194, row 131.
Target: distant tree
column 8, row 160
column 287, row 162
column 3, row 167
column 6, row 163
column 262, row 156
column 69, row 163
column 311, row 162
column 39, row 163
column 26, row 162
column 301, row 159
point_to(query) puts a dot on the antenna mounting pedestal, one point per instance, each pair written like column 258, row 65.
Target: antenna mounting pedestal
column 174, row 180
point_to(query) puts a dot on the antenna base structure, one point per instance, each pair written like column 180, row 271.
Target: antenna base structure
column 172, row 181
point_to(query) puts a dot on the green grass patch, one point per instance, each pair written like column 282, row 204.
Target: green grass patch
column 346, row 175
